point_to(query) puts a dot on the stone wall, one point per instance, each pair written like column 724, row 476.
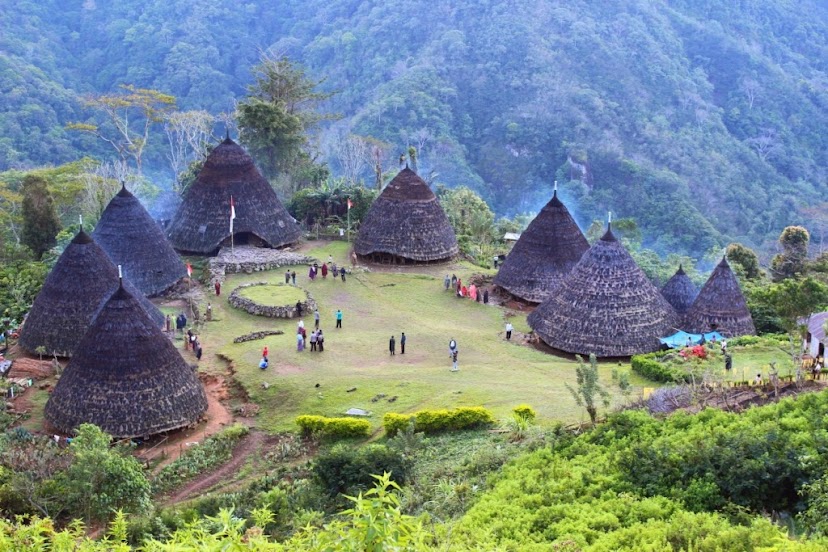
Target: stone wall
column 247, row 260
column 257, row 335
column 285, row 311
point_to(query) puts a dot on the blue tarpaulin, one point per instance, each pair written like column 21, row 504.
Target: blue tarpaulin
column 679, row 339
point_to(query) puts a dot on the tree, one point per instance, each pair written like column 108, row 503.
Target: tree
column 40, row 220
column 588, row 388
column 745, row 258
column 30, row 463
column 103, row 479
column 352, row 152
column 278, row 114
column 791, row 262
column 131, row 134
column 794, row 302
column 188, row 134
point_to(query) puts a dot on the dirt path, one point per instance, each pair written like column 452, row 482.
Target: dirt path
column 218, row 417
column 246, row 447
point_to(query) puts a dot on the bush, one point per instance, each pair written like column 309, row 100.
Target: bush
column 653, row 369
column 213, row 451
column 333, row 427
column 435, row 421
column 348, row 470
column 525, row 412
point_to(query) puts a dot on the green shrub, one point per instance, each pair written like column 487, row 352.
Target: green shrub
column 348, row 470
column 333, row 427
column 650, row 367
column 435, row 421
column 525, row 412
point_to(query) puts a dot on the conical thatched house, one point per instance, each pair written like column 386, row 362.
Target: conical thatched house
column 126, row 377
column 406, row 224
column 720, row 306
column 680, row 291
column 134, row 240
column 202, row 223
column 546, row 252
column 80, row 282
column 606, row 306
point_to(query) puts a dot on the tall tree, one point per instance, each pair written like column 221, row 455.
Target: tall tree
column 278, row 116
column 189, row 134
column 131, row 132
column 40, row 220
column 746, row 258
column 791, row 262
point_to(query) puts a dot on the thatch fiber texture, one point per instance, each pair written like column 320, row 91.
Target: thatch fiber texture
column 406, row 221
column 680, row 291
column 546, row 252
column 134, row 240
column 720, row 306
column 82, row 279
column 126, row 377
column 202, row 222
column 606, row 306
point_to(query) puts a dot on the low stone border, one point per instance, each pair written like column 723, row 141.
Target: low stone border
column 257, row 335
column 284, row 311
column 248, row 259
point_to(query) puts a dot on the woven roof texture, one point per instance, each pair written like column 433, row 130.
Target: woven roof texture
column 720, row 306
column 680, row 291
column 134, row 240
column 606, row 306
column 126, row 377
column 546, row 252
column 82, row 279
column 202, row 222
column 406, row 220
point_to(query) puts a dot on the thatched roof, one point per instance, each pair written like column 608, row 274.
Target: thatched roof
column 134, row 240
column 126, row 377
column 80, row 282
column 202, row 222
column 720, row 306
column 546, row 252
column 406, row 221
column 606, row 306
column 680, row 291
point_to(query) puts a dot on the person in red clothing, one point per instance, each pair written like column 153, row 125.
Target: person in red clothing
column 264, row 352
column 218, row 287
column 324, row 270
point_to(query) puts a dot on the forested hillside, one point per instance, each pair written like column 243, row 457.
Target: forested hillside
column 702, row 119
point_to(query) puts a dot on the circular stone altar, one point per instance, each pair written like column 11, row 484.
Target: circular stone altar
column 272, row 300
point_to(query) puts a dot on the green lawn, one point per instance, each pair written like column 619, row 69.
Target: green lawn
column 274, row 295
column 493, row 372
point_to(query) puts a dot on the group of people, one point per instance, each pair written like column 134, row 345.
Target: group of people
column 329, row 266
column 472, row 292
column 317, row 338
column 192, row 343
column 290, row 275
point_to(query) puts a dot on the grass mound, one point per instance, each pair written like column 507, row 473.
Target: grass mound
column 273, row 295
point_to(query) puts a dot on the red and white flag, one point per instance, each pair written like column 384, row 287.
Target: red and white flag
column 350, row 203
column 189, row 270
column 232, row 213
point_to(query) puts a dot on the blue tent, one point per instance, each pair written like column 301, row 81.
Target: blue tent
column 679, row 339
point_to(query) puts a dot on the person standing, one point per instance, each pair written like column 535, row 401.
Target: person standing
column 304, row 334
column 447, row 282
column 508, row 331
column 264, row 353
column 334, row 270
column 485, row 296
column 313, row 340
column 300, row 342
column 209, row 314
column 218, row 288
column 342, row 273
column 287, row 276
column 311, row 273
column 454, row 281
column 293, row 277
column 168, row 322
column 316, row 319
column 320, row 341
column 330, row 259
column 338, row 318
column 452, row 347
column 198, row 349
column 391, row 346
column 454, row 367
column 402, row 344
column 298, row 308
column 324, row 271
column 473, row 292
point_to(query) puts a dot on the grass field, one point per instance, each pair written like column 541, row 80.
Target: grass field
column 276, row 295
column 376, row 305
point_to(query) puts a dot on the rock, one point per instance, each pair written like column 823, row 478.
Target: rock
column 257, row 335
column 351, row 390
